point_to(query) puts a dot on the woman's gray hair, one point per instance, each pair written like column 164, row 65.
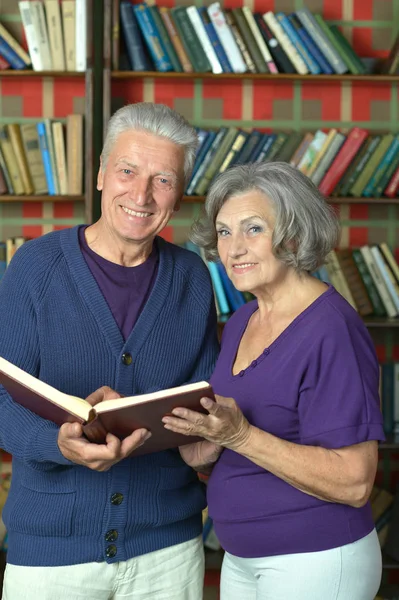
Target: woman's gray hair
column 306, row 228
column 156, row 119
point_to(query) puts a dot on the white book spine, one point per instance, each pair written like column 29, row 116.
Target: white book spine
column 68, row 25
column 200, row 30
column 375, row 251
column 378, row 281
column 226, row 38
column 60, row 157
column 285, row 43
column 53, row 15
column 39, row 22
column 26, row 9
column 260, row 42
column 81, row 35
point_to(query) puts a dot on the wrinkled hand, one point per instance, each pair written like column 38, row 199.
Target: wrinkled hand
column 225, row 425
column 200, row 455
column 99, row 457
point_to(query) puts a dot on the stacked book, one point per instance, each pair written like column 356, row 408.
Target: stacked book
column 351, row 163
column 42, row 158
column 212, row 39
column 55, row 35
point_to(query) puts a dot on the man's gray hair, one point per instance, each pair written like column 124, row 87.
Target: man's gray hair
column 306, row 228
column 156, row 119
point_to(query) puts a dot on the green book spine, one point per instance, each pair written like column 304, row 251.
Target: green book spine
column 374, row 141
column 387, row 159
column 372, row 291
column 351, row 169
column 289, row 147
column 249, row 40
column 385, row 179
column 206, row 161
column 372, row 164
column 190, row 40
column 338, row 47
column 276, row 147
column 349, row 51
column 163, row 34
column 216, row 161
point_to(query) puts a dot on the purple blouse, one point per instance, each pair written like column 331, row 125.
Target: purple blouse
column 316, row 384
column 125, row 289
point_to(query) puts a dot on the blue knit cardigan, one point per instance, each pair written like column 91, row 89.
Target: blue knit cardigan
column 55, row 324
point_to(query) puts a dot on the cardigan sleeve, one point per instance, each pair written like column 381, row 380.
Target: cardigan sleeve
column 22, row 433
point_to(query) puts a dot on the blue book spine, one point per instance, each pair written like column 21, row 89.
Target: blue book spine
column 384, row 164
column 41, row 131
column 134, row 45
column 200, row 156
column 152, row 38
column 10, row 55
column 311, row 46
column 234, row 296
column 213, row 38
column 219, row 288
column 268, row 143
column 289, row 29
column 251, row 143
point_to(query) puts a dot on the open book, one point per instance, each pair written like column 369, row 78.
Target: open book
column 120, row 416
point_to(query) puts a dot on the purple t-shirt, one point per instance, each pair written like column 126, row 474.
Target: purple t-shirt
column 125, row 289
column 316, row 384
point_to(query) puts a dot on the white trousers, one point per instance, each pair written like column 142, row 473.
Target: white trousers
column 175, row 573
column 351, row 572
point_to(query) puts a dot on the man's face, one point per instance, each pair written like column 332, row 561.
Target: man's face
column 141, row 185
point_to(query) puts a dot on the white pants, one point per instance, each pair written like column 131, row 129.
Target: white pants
column 175, row 573
column 351, row 572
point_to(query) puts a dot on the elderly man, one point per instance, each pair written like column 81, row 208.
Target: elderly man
column 111, row 305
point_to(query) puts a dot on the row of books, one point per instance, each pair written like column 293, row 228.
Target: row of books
column 355, row 163
column 209, row 39
column 42, row 158
column 55, row 36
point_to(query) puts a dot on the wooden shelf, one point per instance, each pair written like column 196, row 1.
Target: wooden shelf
column 331, row 200
column 30, row 73
column 263, row 76
column 389, row 563
column 45, row 198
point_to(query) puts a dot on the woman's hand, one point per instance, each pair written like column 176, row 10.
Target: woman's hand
column 200, row 455
column 225, row 425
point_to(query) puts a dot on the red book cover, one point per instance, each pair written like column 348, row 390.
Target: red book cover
column 3, row 63
column 343, row 159
column 393, row 186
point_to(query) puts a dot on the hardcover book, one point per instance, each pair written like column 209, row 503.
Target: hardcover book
column 121, row 416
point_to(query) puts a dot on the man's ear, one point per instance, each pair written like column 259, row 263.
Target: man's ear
column 100, row 176
column 177, row 205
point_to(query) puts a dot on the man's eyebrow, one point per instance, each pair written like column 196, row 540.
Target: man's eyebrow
column 125, row 162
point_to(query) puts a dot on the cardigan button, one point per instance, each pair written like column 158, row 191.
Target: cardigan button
column 111, row 551
column 116, row 499
column 127, row 358
column 111, row 535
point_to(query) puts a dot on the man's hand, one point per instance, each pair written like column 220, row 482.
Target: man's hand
column 99, row 457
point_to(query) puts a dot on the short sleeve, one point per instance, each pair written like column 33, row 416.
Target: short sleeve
column 339, row 401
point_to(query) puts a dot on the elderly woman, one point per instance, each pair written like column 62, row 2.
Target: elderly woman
column 296, row 416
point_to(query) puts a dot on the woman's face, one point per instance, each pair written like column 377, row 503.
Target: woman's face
column 244, row 227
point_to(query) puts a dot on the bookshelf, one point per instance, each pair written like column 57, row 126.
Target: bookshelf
column 29, row 96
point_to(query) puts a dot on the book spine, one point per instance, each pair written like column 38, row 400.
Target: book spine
column 390, row 260
column 386, row 178
column 30, row 141
column 198, row 25
column 290, row 30
column 190, row 40
column 387, row 159
column 308, row 42
column 53, row 15
column 218, row 286
column 281, row 59
column 351, row 146
column 60, row 158
column 10, row 55
column 68, row 24
column 226, row 38
column 39, row 23
column 355, row 282
column 329, row 156
column 319, row 37
column 11, row 161
column 261, row 152
column 171, row 52
column 250, row 144
column 14, row 134
column 249, row 41
column 286, row 43
column 26, row 10
column 217, row 160
column 81, row 35
column 152, row 38
column 354, row 62
column 392, row 188
column 134, row 46
column 247, row 58
column 175, row 39
column 41, row 130
column 365, row 176
column 370, row 146
column 50, row 146
column 74, row 129
column 384, row 272
column 234, row 150
column 12, row 42
column 5, row 171
column 206, row 161
column 213, row 38
column 264, row 50
column 378, row 281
